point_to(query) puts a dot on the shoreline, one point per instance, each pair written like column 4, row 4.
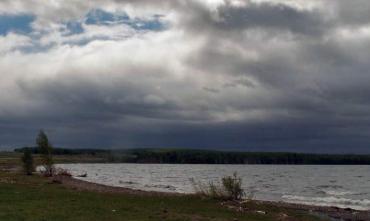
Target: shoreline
column 334, row 213
column 82, row 185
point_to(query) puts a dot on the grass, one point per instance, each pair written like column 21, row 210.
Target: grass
column 34, row 198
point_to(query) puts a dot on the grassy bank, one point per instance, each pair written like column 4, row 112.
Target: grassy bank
column 36, row 198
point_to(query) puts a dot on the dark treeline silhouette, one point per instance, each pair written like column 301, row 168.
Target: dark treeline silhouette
column 65, row 151
column 186, row 156
column 224, row 157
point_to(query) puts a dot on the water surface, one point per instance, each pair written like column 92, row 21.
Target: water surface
column 341, row 186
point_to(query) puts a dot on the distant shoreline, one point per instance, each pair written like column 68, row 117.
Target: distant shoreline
column 272, row 164
column 188, row 156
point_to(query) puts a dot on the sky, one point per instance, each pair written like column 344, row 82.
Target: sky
column 253, row 75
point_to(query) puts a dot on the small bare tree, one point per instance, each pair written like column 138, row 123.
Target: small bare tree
column 45, row 149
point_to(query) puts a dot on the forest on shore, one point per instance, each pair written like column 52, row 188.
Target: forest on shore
column 188, row 156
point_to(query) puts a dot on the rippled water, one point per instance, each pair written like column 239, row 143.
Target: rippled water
column 341, row 186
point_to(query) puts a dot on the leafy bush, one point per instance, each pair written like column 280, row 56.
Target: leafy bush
column 209, row 190
column 230, row 188
column 233, row 186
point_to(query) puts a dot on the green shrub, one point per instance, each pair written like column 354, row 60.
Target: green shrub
column 230, row 188
column 233, row 186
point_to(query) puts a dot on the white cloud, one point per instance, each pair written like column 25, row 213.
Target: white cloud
column 13, row 41
column 235, row 64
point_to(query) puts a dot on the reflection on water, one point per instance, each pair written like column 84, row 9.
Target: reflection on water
column 342, row 186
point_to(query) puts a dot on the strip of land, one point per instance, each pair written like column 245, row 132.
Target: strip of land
column 36, row 198
column 188, row 156
column 243, row 206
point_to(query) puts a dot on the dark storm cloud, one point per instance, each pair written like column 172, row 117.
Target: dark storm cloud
column 353, row 13
column 262, row 76
column 267, row 15
column 106, row 104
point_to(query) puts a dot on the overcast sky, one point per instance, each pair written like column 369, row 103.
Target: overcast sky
column 259, row 75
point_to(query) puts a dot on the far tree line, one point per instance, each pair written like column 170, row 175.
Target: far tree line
column 187, row 156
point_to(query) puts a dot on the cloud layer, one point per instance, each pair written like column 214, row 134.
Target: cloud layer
column 257, row 75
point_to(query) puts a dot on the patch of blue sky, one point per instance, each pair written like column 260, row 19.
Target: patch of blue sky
column 154, row 25
column 72, row 28
column 101, row 17
column 16, row 23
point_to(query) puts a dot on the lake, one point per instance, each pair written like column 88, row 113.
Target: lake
column 341, row 186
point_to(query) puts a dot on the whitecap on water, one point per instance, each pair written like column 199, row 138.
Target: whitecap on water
column 329, row 201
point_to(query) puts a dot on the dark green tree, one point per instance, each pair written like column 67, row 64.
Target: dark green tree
column 27, row 160
column 45, row 150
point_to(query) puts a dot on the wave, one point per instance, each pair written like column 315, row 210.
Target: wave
column 363, row 204
column 338, row 193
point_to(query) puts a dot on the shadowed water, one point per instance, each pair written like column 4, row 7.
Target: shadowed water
column 341, row 186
